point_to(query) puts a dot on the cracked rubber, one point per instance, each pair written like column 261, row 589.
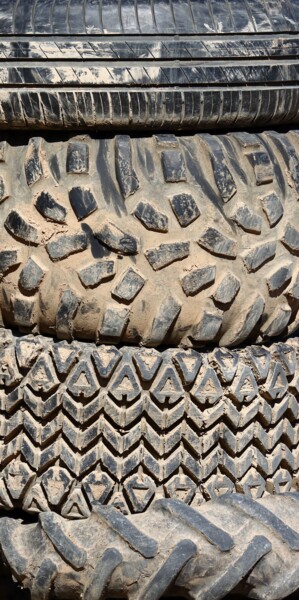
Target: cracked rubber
column 81, row 423
column 225, row 545
column 148, row 65
column 187, row 240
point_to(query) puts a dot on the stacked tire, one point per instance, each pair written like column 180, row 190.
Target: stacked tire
column 149, row 298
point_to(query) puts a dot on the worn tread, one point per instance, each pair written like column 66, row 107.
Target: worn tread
column 148, row 65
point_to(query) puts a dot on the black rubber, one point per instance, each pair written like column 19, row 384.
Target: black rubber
column 171, row 64
column 124, row 426
column 232, row 544
column 177, row 240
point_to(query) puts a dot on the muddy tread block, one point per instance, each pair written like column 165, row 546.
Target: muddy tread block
column 182, row 239
column 50, row 209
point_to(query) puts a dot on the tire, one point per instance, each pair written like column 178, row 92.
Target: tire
column 164, row 240
column 82, row 423
column 173, row 549
column 148, row 65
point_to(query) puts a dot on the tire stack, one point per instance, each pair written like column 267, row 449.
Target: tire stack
column 149, row 299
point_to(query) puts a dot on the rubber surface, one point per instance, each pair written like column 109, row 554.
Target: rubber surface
column 186, row 240
column 168, row 64
column 81, row 423
column 202, row 554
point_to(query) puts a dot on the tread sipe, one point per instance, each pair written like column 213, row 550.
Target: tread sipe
column 186, row 240
column 201, row 554
column 150, row 64
column 81, row 423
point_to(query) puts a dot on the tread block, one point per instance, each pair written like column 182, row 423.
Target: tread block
column 198, row 279
column 165, row 254
column 223, row 176
column 249, row 317
column 65, row 245
column 247, row 219
column 279, row 277
column 19, row 228
column 185, row 209
column 31, row 276
column 167, row 312
column 70, row 551
column 262, row 167
column 50, row 209
column 114, row 322
column 126, row 176
column 147, row 362
column 4, row 193
column 272, row 208
column 33, row 165
column 217, row 243
column 255, row 258
column 83, row 202
column 8, row 260
column 129, row 286
column 207, row 328
column 227, row 289
column 24, row 311
column 106, row 359
column 94, row 274
column 291, row 238
column 277, row 322
column 150, row 217
column 173, row 166
column 67, row 308
column 77, row 159
column 116, row 239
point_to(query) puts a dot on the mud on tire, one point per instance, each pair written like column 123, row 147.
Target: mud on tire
column 180, row 240
column 223, row 546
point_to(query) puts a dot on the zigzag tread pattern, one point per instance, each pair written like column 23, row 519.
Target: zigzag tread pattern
column 225, row 544
column 94, row 229
column 81, row 423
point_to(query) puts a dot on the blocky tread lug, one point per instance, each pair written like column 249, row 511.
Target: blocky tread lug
column 182, row 252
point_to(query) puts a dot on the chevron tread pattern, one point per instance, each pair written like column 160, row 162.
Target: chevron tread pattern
column 80, row 423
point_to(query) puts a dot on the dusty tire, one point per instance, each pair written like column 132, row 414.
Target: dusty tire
column 202, row 554
column 161, row 240
column 81, row 423
column 148, row 65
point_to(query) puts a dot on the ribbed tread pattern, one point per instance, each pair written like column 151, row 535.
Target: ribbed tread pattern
column 179, row 240
column 148, row 110
column 153, row 17
column 249, row 544
column 81, row 423
column 159, row 64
